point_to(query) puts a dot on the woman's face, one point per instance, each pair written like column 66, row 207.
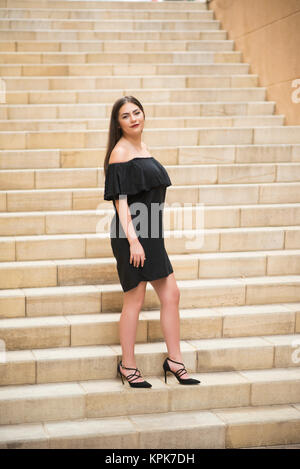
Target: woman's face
column 131, row 119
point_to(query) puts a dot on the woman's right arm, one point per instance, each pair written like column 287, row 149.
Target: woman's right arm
column 137, row 253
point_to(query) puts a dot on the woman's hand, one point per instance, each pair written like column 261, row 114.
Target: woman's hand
column 137, row 253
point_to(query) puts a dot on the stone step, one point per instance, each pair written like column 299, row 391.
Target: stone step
column 103, row 271
column 166, row 137
column 103, row 5
column 66, row 246
column 107, row 398
column 104, row 82
column 182, row 174
column 67, row 364
column 175, row 95
column 79, row 124
column 38, row 35
column 116, row 45
column 107, row 14
column 103, row 329
column 119, row 57
column 109, row 25
column 68, row 221
column 108, row 69
column 152, row 110
column 212, row 194
column 200, row 293
column 240, row 427
column 212, row 154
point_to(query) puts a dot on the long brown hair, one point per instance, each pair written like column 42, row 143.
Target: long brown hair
column 115, row 131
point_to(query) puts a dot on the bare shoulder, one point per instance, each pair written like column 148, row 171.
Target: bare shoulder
column 119, row 155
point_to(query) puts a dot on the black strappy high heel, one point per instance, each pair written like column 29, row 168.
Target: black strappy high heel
column 133, row 377
column 178, row 373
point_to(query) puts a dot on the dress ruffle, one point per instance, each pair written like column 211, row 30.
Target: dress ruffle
column 134, row 176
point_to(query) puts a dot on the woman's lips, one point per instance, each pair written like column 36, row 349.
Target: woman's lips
column 136, row 125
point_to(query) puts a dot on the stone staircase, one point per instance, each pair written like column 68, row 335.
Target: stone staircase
column 208, row 121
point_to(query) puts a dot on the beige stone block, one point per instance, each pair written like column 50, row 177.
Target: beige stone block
column 12, row 141
column 233, row 354
column 251, row 239
column 7, row 250
column 263, row 153
column 27, row 224
column 58, row 301
column 72, row 223
column 287, row 353
column 98, row 245
column 180, row 242
column 110, row 398
column 79, row 272
column 274, row 215
column 66, row 178
column 106, row 433
column 246, row 174
column 180, row 193
column 29, row 404
column 101, row 330
column 22, row 201
column 292, row 238
column 229, row 194
column 75, row 363
column 227, row 57
column 295, row 152
column 55, row 247
column 231, row 265
column 225, row 136
column 247, row 81
column 27, row 274
column 217, row 390
column 81, row 158
column 18, row 368
column 279, row 193
column 17, row 58
column 3, row 202
column 87, row 199
column 272, row 290
column 30, row 333
column 39, row 46
column 258, row 426
column 58, row 139
column 297, row 325
column 259, row 108
column 44, row 70
column 209, row 293
column 283, row 263
column 270, row 387
column 30, row 436
column 288, row 172
column 284, row 134
column 12, row 303
column 221, row 217
column 186, row 175
column 16, row 179
column 180, row 430
column 256, row 320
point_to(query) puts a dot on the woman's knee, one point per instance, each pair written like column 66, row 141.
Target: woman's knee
column 171, row 297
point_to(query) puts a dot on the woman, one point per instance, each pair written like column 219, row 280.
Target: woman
column 134, row 179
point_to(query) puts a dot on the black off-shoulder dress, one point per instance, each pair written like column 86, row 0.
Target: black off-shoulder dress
column 144, row 181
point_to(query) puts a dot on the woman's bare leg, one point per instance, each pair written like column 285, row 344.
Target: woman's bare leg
column 169, row 296
column 132, row 304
